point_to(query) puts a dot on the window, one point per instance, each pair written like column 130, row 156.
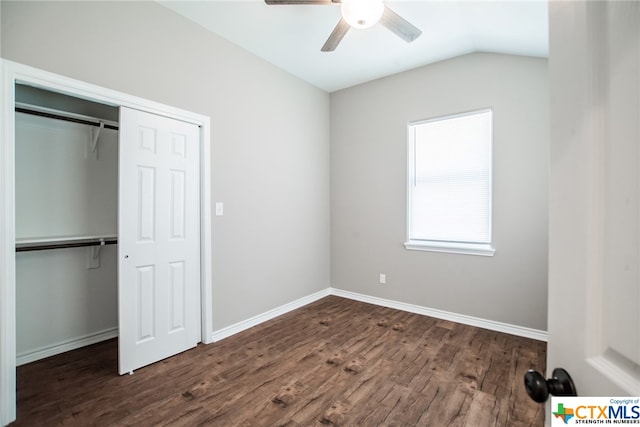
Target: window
column 449, row 184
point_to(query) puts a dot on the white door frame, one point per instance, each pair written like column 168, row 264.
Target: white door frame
column 13, row 73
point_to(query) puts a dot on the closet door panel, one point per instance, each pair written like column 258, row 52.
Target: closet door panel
column 145, row 211
column 177, row 205
column 145, row 295
column 178, row 294
column 159, row 238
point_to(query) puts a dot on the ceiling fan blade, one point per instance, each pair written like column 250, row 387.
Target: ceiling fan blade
column 336, row 35
column 281, row 2
column 400, row 26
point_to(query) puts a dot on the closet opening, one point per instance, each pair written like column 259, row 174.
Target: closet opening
column 136, row 217
column 66, row 223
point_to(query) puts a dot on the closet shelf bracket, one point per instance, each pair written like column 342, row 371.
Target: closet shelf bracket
column 95, row 136
column 93, row 260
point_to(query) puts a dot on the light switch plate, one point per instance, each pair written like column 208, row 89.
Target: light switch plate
column 219, row 209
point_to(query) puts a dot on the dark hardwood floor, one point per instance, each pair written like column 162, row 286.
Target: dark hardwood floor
column 332, row 362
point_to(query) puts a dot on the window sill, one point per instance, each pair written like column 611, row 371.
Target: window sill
column 454, row 248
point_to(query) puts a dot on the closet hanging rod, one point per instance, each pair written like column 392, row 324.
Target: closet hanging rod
column 25, row 247
column 59, row 116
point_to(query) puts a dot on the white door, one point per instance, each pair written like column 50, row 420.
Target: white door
column 158, row 238
column 594, row 264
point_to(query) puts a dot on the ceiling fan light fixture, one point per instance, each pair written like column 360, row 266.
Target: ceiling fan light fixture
column 362, row 13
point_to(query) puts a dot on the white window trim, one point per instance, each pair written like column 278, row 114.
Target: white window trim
column 464, row 248
column 451, row 247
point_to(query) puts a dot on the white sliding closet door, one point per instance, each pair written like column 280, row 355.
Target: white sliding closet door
column 158, row 238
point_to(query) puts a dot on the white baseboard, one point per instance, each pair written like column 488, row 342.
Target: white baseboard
column 492, row 325
column 278, row 311
column 73, row 344
column 446, row 315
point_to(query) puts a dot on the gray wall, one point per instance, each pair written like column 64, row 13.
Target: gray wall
column 270, row 159
column 368, row 189
column 270, row 134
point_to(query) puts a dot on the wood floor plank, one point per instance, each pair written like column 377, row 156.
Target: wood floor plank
column 334, row 362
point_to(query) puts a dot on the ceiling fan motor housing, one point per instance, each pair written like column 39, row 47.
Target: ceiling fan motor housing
column 362, row 13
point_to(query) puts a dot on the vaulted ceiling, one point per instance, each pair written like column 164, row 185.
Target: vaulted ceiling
column 290, row 36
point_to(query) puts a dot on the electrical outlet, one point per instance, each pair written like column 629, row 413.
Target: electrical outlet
column 383, row 279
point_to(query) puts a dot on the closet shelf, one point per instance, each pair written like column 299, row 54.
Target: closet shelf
column 23, row 245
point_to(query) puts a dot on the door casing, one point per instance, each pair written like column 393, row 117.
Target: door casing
column 14, row 73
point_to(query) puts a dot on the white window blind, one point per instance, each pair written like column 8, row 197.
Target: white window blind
column 449, row 186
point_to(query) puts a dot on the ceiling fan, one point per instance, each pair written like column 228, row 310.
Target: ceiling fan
column 359, row 14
